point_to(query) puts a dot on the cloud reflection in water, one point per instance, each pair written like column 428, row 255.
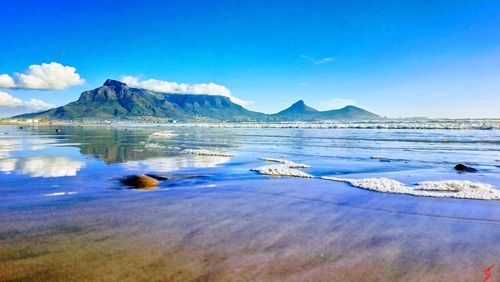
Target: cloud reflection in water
column 42, row 166
column 175, row 163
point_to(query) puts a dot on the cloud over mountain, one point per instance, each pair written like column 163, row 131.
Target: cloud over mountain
column 11, row 102
column 51, row 76
column 7, row 100
column 183, row 88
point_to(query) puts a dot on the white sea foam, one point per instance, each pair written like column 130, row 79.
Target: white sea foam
column 59, row 194
column 284, row 168
column 287, row 163
column 203, row 152
column 166, row 134
column 443, row 189
column 281, row 170
column 154, row 146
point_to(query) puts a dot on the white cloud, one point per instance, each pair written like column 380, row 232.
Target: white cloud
column 334, row 103
column 9, row 101
column 318, row 61
column 38, row 105
column 52, row 76
column 183, row 88
column 6, row 81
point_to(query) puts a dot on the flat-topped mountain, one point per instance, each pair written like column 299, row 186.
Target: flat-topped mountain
column 116, row 100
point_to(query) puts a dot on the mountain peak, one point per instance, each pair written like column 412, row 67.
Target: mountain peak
column 299, row 102
column 350, row 107
column 302, row 107
column 298, row 108
column 114, row 83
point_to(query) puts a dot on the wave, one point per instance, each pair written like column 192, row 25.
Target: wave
column 462, row 189
column 437, row 124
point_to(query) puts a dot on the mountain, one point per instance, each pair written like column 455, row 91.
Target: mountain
column 348, row 112
column 116, row 100
column 300, row 111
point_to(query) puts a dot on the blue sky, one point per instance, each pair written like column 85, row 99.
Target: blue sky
column 395, row 58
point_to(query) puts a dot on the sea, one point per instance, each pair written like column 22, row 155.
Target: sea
column 65, row 215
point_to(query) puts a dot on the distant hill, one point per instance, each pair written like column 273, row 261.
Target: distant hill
column 115, row 100
column 300, row 111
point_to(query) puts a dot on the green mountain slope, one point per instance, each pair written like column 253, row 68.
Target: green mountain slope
column 115, row 100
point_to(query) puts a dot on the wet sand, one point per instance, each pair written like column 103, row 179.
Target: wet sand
column 267, row 230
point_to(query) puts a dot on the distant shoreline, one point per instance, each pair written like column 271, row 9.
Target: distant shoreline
column 406, row 124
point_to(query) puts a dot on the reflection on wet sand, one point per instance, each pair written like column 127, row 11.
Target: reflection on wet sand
column 270, row 232
column 41, row 166
column 168, row 164
column 8, row 145
column 117, row 145
column 8, row 165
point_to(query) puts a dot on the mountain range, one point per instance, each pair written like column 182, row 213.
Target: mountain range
column 116, row 100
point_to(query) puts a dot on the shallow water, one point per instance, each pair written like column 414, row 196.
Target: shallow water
column 65, row 215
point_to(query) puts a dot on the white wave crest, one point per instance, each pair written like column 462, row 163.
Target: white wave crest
column 166, row 134
column 287, row 163
column 203, row 152
column 284, row 168
column 281, row 170
column 462, row 189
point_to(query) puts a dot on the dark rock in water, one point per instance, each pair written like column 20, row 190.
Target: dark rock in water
column 158, row 177
column 140, row 181
column 462, row 167
column 20, row 127
column 58, row 130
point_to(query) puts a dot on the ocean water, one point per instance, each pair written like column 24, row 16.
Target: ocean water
column 66, row 216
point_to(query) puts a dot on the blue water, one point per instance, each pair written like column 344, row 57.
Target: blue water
column 44, row 173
